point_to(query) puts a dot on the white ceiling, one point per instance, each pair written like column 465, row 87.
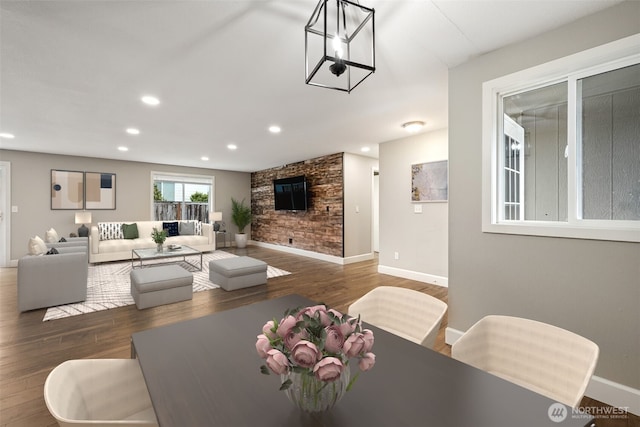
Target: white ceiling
column 72, row 73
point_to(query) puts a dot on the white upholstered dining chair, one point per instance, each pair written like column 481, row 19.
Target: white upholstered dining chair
column 543, row 358
column 410, row 314
column 99, row 392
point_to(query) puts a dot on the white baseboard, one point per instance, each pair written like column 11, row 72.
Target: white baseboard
column 452, row 335
column 601, row 389
column 414, row 275
column 315, row 255
column 615, row 394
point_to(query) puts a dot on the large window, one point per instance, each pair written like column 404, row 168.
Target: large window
column 181, row 197
column 561, row 147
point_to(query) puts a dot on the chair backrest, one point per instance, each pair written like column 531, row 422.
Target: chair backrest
column 99, row 392
column 544, row 358
column 413, row 315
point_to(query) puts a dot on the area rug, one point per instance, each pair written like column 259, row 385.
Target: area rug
column 109, row 286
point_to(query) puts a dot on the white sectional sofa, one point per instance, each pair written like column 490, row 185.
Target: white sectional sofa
column 106, row 243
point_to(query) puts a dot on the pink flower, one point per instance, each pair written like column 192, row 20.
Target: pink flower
column 267, row 329
column 349, row 326
column 328, row 369
column 263, row 345
column 305, row 354
column 277, row 362
column 367, row 361
column 368, row 340
column 326, row 320
column 292, row 338
column 320, row 310
column 335, row 313
column 354, row 345
column 286, row 325
column 335, row 339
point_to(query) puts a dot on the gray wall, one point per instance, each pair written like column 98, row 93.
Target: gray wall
column 31, row 177
column 358, row 204
column 589, row 287
column 419, row 239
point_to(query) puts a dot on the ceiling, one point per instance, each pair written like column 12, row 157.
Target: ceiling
column 72, row 74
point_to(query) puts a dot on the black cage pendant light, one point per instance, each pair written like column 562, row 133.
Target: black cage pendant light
column 339, row 42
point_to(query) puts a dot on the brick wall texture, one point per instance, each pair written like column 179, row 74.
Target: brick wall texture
column 320, row 227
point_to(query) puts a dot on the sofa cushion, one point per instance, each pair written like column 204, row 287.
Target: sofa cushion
column 110, row 230
column 130, row 231
column 51, row 236
column 197, row 227
column 187, row 228
column 37, row 246
column 171, row 227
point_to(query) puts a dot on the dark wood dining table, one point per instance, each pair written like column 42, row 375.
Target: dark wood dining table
column 206, row 372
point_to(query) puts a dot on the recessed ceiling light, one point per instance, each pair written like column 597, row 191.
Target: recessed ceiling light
column 274, row 129
column 122, row 148
column 414, row 126
column 365, row 149
column 232, row 146
column 7, row 135
column 133, row 131
column 204, row 158
column 150, row 100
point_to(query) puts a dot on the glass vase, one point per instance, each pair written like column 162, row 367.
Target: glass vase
column 159, row 247
column 312, row 395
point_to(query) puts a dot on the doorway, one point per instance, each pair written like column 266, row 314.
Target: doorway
column 375, row 212
column 5, row 214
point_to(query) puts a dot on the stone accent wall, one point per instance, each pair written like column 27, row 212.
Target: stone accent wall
column 320, row 227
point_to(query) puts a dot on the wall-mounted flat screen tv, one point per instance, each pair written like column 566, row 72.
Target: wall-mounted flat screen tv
column 290, row 194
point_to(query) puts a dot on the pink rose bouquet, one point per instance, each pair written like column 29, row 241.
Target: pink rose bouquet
column 316, row 342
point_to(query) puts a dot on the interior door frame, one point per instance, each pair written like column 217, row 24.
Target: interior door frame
column 5, row 211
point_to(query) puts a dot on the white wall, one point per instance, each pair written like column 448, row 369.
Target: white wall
column 420, row 239
column 589, row 287
column 358, row 204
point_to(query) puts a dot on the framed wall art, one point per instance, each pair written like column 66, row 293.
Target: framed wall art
column 430, row 182
column 100, row 190
column 67, row 189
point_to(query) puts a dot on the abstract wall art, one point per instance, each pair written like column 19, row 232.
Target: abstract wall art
column 100, row 190
column 430, row 182
column 67, row 189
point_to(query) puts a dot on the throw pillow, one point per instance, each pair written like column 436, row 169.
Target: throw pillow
column 51, row 236
column 187, row 228
column 37, row 246
column 110, row 230
column 198, row 230
column 171, row 227
column 62, row 240
column 52, row 251
column 130, row 231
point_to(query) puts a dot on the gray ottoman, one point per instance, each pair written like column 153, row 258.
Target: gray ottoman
column 237, row 272
column 160, row 285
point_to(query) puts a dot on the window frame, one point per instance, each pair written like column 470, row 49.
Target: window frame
column 611, row 56
column 183, row 178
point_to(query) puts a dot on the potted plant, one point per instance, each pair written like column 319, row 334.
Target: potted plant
column 241, row 217
column 159, row 236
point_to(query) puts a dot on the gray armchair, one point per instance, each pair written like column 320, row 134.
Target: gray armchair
column 49, row 280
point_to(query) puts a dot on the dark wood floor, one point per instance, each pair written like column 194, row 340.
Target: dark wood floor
column 30, row 348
